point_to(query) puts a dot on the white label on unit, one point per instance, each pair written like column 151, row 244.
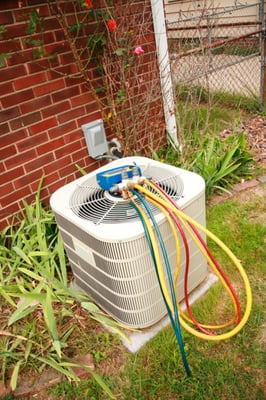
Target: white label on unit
column 84, row 252
column 131, row 213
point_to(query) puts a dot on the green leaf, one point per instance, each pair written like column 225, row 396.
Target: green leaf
column 103, row 385
column 81, row 170
column 109, row 323
column 120, row 51
column 38, row 253
column 62, row 260
column 6, row 296
column 14, row 377
column 50, row 321
column 89, row 306
column 57, row 347
column 58, row 367
column 22, row 312
column 31, row 274
column 3, row 57
column 2, row 29
column 95, row 376
column 22, row 255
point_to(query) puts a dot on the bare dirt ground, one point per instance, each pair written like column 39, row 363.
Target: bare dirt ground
column 255, row 131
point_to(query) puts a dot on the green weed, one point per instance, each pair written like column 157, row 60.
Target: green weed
column 41, row 309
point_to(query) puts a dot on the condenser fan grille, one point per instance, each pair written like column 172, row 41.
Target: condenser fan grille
column 94, row 204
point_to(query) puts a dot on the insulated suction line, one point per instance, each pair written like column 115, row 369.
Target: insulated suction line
column 162, row 199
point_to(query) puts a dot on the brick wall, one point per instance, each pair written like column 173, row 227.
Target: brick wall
column 41, row 112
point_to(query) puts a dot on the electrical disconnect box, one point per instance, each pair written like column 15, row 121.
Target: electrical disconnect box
column 95, row 138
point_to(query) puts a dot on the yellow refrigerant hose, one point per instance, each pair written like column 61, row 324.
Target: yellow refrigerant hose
column 177, row 241
column 205, row 254
column 167, row 205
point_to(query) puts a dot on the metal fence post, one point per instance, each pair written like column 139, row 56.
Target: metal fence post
column 263, row 54
column 209, row 30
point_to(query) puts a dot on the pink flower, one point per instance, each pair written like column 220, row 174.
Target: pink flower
column 111, row 25
column 138, row 50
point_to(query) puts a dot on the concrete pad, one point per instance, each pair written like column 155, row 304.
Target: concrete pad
column 140, row 338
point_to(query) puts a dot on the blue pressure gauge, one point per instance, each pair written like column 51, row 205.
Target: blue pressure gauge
column 107, row 179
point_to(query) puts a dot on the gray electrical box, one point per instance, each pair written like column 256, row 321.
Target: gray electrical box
column 95, row 138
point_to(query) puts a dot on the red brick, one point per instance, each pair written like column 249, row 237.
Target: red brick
column 52, row 24
column 49, row 87
column 42, row 126
column 6, row 188
column 56, row 185
column 10, row 73
column 89, row 116
column 8, row 151
column 22, row 14
column 62, row 129
column 245, row 185
column 55, row 109
column 32, row 141
column 3, row 221
column 27, row 179
column 59, row 71
column 48, row 179
column 13, row 137
column 11, row 174
column 36, row 104
column 9, row 5
column 66, row 58
column 15, row 31
column 7, row 214
column 18, row 97
column 65, row 94
column 10, row 113
column 34, row 187
column 25, row 120
column 14, row 196
column 39, row 162
column 73, row 136
column 43, row 38
column 10, row 47
column 28, row 199
column 70, row 115
column 68, row 170
column 20, row 158
column 2, row 168
column 4, row 128
column 84, row 98
column 57, row 48
column 30, row 80
column 6, row 88
column 50, row 146
column 79, row 156
column 6, row 18
column 41, row 65
column 68, row 149
column 56, row 165
column 70, row 81
column 19, row 57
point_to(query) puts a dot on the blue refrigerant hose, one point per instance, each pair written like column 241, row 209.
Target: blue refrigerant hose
column 174, row 321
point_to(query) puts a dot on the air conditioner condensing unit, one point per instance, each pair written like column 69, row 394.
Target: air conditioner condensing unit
column 107, row 248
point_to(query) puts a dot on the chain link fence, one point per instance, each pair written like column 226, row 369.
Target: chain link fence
column 221, row 51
